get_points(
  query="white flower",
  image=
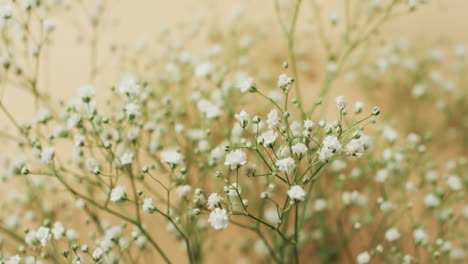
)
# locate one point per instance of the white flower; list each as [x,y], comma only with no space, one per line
[86,92]
[269,138]
[204,69]
[390,134]
[148,205]
[5,11]
[132,110]
[72,234]
[295,128]
[308,124]
[420,236]
[78,140]
[73,121]
[219,219]
[47,154]
[93,165]
[431,176]
[454,183]
[128,86]
[332,143]
[209,109]
[213,200]
[43,115]
[340,103]
[381,175]
[183,190]
[48,25]
[246,84]
[296,193]
[243,118]
[97,254]
[13,260]
[236,159]
[273,119]
[430,200]
[232,190]
[126,159]
[43,235]
[320,205]
[284,81]
[354,147]
[325,154]
[58,230]
[358,107]
[299,149]
[363,258]
[286,165]
[392,234]
[118,194]
[171,156]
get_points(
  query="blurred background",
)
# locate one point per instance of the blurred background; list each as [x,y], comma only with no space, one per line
[134,26]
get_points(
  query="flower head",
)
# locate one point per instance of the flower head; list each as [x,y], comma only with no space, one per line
[118,194]
[219,219]
[235,159]
[213,200]
[296,193]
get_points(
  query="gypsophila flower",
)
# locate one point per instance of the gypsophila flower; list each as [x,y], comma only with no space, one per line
[232,190]
[392,234]
[430,200]
[43,235]
[183,190]
[354,148]
[454,183]
[148,206]
[308,124]
[43,115]
[269,138]
[47,155]
[363,258]
[126,159]
[171,156]
[214,200]
[219,219]
[209,109]
[299,149]
[86,92]
[243,118]
[48,25]
[93,165]
[235,159]
[128,86]
[284,81]
[204,69]
[273,119]
[16,259]
[296,193]
[5,11]
[420,236]
[97,254]
[358,107]
[118,194]
[286,165]
[132,110]
[340,103]
[246,85]
[58,230]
